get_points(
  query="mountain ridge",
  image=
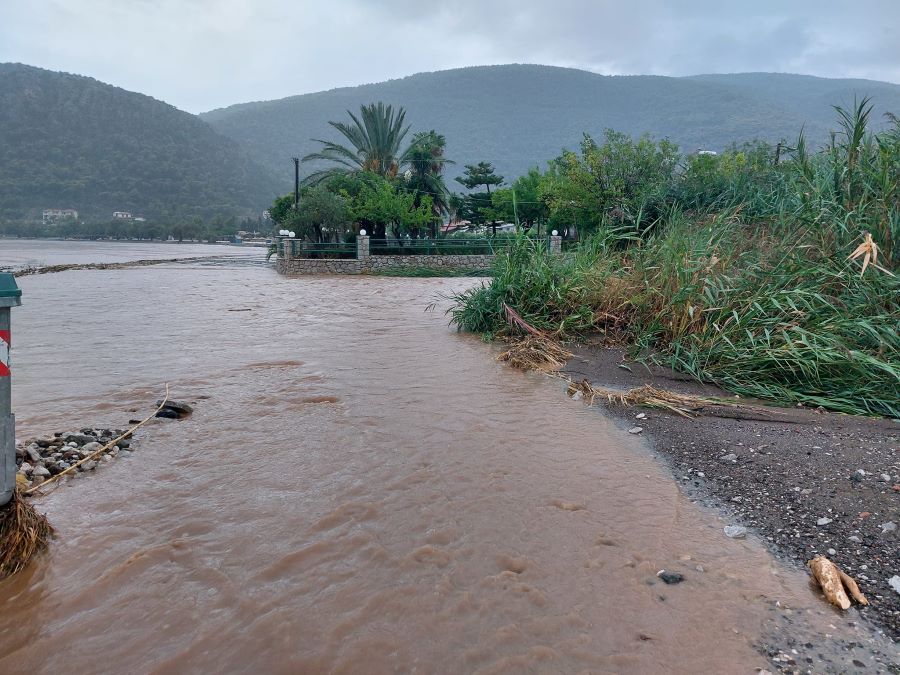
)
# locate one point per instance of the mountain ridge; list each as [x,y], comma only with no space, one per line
[522,115]
[69,140]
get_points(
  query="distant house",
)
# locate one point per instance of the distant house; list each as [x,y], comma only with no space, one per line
[711,153]
[52,215]
[122,215]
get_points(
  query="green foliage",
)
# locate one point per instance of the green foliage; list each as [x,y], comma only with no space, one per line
[622,181]
[426,161]
[322,216]
[72,142]
[744,281]
[522,203]
[374,144]
[478,206]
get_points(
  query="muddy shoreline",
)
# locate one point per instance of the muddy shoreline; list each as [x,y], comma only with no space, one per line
[779,477]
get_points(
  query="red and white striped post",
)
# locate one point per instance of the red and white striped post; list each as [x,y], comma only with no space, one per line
[10,296]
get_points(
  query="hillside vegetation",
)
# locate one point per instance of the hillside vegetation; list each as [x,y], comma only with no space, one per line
[519,116]
[68,141]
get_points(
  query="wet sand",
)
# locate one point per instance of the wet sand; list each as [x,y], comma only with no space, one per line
[786,473]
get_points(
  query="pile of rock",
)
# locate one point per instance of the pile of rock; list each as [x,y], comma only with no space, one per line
[40,458]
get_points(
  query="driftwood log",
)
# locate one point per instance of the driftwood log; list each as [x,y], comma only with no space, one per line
[835,583]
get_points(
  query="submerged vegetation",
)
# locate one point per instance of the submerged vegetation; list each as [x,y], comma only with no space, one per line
[754,269]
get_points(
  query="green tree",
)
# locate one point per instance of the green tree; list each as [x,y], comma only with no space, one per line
[374,144]
[426,161]
[521,203]
[475,176]
[323,216]
[379,203]
[622,181]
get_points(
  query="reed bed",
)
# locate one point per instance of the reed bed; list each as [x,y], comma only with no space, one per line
[772,281]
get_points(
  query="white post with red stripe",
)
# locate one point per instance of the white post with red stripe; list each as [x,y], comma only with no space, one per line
[9,297]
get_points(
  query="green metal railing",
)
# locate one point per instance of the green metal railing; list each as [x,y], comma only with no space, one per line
[308,249]
[438,246]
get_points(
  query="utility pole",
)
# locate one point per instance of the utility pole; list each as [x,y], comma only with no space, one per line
[296,183]
[10,296]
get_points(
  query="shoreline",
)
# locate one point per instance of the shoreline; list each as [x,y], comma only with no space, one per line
[759,473]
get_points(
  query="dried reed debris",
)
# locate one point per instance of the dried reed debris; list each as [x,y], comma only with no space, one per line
[23,534]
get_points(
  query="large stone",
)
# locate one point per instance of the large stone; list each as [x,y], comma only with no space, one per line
[177,406]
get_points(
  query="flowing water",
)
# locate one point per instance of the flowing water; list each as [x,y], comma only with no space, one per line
[359,490]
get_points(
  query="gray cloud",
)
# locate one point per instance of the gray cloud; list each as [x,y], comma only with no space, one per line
[201,54]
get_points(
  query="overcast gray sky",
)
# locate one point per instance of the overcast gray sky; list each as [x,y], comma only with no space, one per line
[203,54]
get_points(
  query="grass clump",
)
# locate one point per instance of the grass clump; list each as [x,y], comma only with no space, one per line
[749,278]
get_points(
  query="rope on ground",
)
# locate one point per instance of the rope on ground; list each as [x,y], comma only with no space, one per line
[101,450]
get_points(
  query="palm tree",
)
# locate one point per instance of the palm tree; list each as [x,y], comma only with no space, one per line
[425,158]
[375,137]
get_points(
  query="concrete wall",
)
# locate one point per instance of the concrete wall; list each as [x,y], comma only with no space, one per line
[365,263]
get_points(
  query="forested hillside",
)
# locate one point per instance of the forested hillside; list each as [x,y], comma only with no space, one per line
[519,116]
[68,141]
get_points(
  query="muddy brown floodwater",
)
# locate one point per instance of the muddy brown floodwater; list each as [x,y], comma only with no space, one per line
[360,490]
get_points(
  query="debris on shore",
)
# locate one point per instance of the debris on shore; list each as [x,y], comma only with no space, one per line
[835,583]
[23,534]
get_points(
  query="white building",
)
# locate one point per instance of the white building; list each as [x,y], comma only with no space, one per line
[122,215]
[52,215]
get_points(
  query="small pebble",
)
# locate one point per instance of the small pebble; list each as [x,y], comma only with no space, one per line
[635,430]
[670,577]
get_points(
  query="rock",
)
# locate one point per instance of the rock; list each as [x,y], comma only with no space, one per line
[885,478]
[89,466]
[40,471]
[635,430]
[25,468]
[894,582]
[166,413]
[641,416]
[730,457]
[889,526]
[670,577]
[577,396]
[79,439]
[831,551]
[735,531]
[45,442]
[123,444]
[33,454]
[854,539]
[824,521]
[88,448]
[177,406]
[105,458]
